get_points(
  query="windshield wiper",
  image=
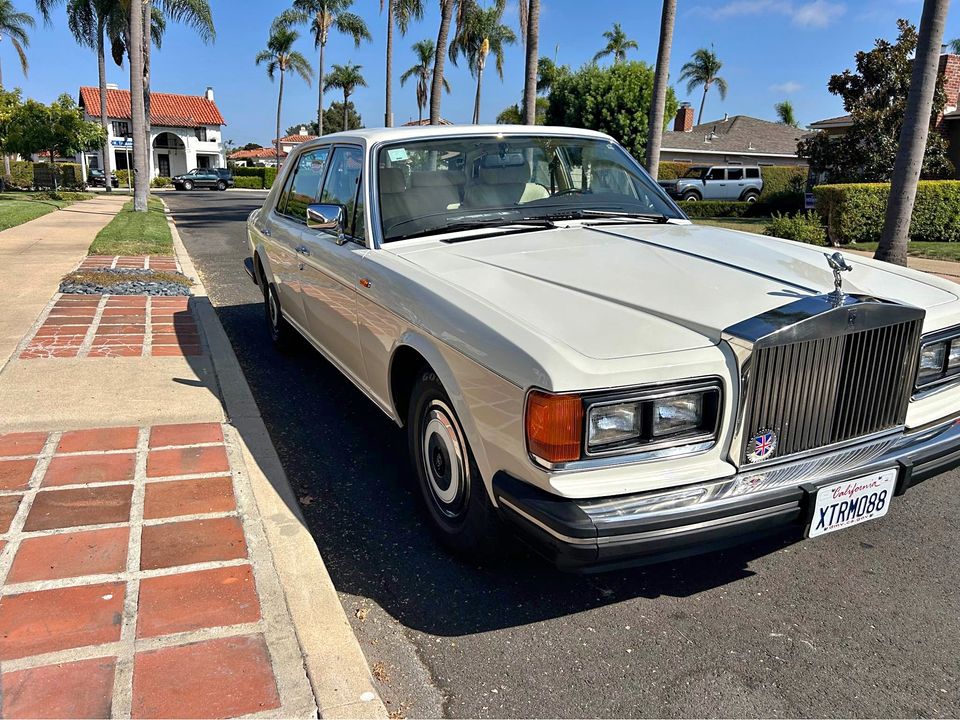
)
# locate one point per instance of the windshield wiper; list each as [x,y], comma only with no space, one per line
[500,222]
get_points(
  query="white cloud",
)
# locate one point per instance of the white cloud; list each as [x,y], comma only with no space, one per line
[807,13]
[789,87]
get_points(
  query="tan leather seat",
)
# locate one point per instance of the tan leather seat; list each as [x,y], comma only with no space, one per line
[503,187]
[433,191]
[393,186]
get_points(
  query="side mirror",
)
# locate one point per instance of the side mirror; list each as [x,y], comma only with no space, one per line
[328,218]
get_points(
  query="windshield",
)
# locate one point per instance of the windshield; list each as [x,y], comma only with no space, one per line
[430,186]
[695,172]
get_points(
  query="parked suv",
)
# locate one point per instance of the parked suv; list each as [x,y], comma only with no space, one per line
[96,178]
[717,182]
[219,178]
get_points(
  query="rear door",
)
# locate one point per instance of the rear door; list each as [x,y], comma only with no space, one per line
[715,187]
[736,183]
[286,225]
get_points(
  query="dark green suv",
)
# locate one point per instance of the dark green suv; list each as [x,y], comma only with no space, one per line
[213,178]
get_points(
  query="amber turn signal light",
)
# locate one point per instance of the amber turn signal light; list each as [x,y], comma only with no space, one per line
[554,426]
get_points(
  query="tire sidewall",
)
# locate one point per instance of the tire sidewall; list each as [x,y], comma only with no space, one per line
[691,197]
[188,185]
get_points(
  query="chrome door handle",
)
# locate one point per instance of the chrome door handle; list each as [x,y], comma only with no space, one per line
[303,250]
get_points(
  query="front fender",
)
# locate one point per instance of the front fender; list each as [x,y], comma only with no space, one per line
[441,358]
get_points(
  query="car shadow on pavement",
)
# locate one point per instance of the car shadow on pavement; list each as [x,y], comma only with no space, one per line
[347,463]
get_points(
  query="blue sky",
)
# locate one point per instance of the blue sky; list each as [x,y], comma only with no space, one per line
[771,49]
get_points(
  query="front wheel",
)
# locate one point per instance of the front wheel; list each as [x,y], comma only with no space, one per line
[221,186]
[188,185]
[449,481]
[691,197]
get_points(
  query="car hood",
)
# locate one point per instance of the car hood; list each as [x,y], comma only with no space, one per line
[625,290]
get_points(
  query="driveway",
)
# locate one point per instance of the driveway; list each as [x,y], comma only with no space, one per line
[858,623]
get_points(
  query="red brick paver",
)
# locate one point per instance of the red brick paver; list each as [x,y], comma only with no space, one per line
[127,581]
[163,263]
[115,326]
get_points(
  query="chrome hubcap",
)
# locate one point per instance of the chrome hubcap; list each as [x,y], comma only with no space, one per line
[444,458]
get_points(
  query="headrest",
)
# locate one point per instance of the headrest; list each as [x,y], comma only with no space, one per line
[392,181]
[506,175]
[436,178]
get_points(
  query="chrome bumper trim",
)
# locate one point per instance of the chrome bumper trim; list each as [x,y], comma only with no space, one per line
[745,486]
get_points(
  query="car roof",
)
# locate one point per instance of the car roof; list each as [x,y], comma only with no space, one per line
[369,136]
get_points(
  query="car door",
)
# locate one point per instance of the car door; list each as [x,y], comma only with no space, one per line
[715,184]
[331,265]
[736,183]
[285,227]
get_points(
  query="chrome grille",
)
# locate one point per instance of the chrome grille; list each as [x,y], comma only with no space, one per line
[827,390]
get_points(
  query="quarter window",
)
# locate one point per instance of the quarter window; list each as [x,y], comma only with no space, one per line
[303,187]
[342,186]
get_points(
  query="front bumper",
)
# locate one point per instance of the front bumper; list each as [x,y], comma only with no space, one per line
[605,533]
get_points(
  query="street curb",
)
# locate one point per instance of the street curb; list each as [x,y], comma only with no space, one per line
[334,663]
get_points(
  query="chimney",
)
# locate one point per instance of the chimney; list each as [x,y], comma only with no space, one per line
[725,116]
[684,119]
[209,94]
[303,130]
[112,86]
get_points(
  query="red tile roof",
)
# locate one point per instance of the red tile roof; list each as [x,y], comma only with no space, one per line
[165,108]
[255,154]
[297,139]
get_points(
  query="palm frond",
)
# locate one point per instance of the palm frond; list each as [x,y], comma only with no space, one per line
[193,13]
[24,65]
[353,25]
[405,12]
[300,66]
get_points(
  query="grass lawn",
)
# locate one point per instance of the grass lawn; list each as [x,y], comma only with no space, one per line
[17,208]
[754,225]
[133,233]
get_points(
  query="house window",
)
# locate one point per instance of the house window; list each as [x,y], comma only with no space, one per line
[201,133]
[121,128]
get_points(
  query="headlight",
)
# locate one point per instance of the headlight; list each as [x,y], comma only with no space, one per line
[564,428]
[939,360]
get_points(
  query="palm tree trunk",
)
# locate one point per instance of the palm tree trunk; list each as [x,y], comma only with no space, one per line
[476,100]
[7,177]
[137,110]
[147,45]
[703,101]
[345,97]
[533,57]
[436,88]
[913,136]
[388,102]
[660,78]
[104,120]
[319,93]
[279,106]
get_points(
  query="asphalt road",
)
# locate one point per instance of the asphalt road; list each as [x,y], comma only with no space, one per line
[861,623]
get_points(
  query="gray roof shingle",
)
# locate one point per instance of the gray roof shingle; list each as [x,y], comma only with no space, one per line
[737,134]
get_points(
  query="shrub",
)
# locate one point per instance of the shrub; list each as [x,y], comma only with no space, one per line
[672,170]
[161,182]
[266,174]
[122,177]
[23,175]
[804,227]
[249,183]
[855,212]
[718,209]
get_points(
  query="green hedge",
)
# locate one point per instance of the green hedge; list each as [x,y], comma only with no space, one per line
[266,174]
[718,209]
[855,212]
[22,174]
[248,183]
[803,227]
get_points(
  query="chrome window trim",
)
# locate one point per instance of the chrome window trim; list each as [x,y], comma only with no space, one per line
[923,391]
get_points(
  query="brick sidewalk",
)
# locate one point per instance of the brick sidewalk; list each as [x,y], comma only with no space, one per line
[131,584]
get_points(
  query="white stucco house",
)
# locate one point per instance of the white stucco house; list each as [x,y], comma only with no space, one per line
[186,131]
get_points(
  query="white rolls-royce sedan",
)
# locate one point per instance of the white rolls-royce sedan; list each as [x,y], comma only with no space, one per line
[577,363]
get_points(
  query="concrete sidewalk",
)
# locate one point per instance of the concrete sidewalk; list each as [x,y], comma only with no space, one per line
[153,561]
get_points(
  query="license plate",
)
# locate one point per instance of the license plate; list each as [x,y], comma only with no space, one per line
[852,502]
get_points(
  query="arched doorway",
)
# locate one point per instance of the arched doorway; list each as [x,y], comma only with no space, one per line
[169,155]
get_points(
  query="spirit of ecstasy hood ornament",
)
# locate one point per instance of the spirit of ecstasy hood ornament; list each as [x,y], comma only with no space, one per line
[839,265]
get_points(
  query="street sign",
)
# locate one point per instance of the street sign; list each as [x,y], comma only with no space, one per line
[122,143]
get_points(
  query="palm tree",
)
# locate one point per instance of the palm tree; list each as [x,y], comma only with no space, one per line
[321,15]
[703,70]
[660,78]
[785,113]
[347,78]
[281,57]
[424,50]
[913,135]
[137,109]
[401,12]
[446,19]
[13,27]
[530,34]
[480,34]
[955,46]
[617,45]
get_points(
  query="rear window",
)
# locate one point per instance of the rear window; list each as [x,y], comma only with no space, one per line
[735,174]
[753,173]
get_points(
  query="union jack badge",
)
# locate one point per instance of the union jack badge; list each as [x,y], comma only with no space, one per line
[763,446]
